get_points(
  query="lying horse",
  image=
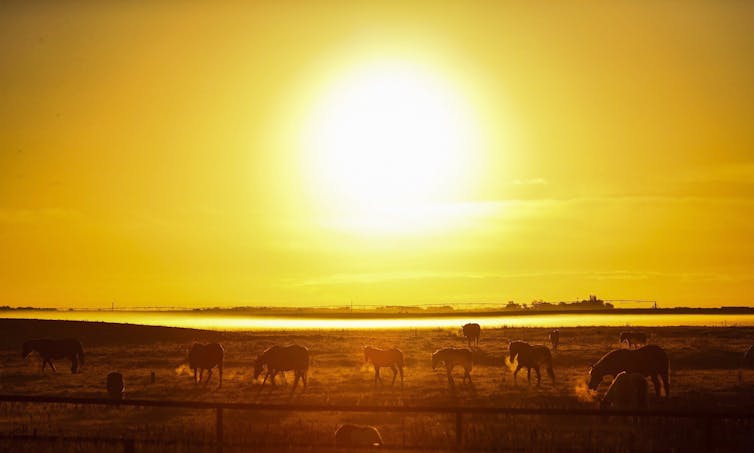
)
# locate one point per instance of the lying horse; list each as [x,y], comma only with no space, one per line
[357,436]
[391,358]
[554,337]
[279,359]
[651,361]
[69,348]
[205,357]
[530,357]
[633,338]
[472,332]
[452,357]
[627,391]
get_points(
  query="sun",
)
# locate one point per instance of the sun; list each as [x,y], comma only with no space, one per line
[387,137]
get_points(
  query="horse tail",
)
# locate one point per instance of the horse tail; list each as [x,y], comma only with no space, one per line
[80,352]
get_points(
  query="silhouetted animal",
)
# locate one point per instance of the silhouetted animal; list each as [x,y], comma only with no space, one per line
[472,332]
[205,357]
[278,359]
[357,436]
[627,391]
[633,338]
[48,349]
[116,387]
[747,362]
[391,358]
[530,357]
[650,360]
[554,337]
[452,357]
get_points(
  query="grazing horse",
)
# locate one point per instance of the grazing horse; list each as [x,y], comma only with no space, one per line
[391,358]
[205,357]
[530,357]
[472,332]
[650,360]
[116,387]
[452,357]
[357,436]
[554,337]
[69,348]
[279,359]
[633,338]
[627,391]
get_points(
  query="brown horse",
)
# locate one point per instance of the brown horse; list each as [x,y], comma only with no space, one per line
[530,357]
[48,349]
[279,359]
[357,436]
[554,337]
[116,387]
[205,357]
[633,338]
[627,391]
[391,358]
[452,357]
[472,332]
[651,361]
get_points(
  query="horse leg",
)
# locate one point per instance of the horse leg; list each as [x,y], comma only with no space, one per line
[666,383]
[209,376]
[265,378]
[376,375]
[221,375]
[295,383]
[539,377]
[528,374]
[52,365]
[656,383]
[395,374]
[515,374]
[467,375]
[201,374]
[74,364]
[450,376]
[195,381]
[400,368]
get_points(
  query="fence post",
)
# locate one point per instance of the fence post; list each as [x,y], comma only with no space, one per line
[459,430]
[219,430]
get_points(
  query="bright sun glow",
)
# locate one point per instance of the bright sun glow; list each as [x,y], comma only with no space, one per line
[388,139]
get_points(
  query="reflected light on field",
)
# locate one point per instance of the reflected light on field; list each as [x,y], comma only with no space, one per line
[239,321]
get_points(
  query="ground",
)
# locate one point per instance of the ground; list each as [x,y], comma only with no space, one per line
[704,375]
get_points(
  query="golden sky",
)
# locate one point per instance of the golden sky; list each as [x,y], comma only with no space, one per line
[318,153]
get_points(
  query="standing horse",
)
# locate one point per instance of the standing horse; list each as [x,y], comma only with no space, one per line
[48,349]
[472,332]
[530,357]
[452,357]
[205,357]
[279,359]
[554,337]
[391,358]
[633,338]
[627,391]
[651,361]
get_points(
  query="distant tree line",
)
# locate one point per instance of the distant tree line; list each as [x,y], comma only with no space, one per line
[593,303]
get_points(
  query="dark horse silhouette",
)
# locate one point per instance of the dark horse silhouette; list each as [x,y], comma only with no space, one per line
[279,359]
[651,361]
[48,349]
[472,332]
[205,357]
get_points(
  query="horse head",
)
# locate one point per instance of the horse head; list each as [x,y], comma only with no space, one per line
[26,349]
[595,377]
[258,367]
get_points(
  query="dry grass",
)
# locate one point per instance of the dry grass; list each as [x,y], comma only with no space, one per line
[703,375]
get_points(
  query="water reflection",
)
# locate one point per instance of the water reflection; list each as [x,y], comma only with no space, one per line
[236,321]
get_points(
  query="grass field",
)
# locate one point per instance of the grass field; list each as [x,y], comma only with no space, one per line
[704,375]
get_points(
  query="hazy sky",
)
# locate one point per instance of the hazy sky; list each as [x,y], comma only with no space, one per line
[201,154]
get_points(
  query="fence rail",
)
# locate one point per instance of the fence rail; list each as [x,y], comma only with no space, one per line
[458,411]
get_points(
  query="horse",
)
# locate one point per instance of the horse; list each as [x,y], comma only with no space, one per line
[205,357]
[452,357]
[392,358]
[472,332]
[279,359]
[116,387]
[633,338]
[357,436]
[650,360]
[530,357]
[48,349]
[554,337]
[627,391]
